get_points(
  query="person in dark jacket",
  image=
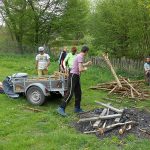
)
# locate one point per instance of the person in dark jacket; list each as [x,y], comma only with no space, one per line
[62,56]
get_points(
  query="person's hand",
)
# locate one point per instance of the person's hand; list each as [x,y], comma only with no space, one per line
[89,62]
[65,69]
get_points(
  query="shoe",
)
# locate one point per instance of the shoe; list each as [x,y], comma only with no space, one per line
[61,111]
[78,110]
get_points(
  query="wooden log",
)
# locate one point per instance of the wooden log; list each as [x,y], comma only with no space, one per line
[100,117]
[96,124]
[106,120]
[111,107]
[132,87]
[117,119]
[113,89]
[132,95]
[144,131]
[120,124]
[111,126]
[122,129]
[112,69]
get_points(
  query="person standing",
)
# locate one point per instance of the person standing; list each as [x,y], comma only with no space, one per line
[74,82]
[68,61]
[42,62]
[147,69]
[62,56]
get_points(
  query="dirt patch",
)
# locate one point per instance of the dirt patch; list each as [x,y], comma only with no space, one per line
[141,129]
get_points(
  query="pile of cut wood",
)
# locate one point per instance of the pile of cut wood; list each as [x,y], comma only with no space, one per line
[122,86]
[107,121]
[130,89]
[56,75]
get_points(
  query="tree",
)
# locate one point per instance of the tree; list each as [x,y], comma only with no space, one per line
[14,18]
[122,27]
[74,19]
[31,21]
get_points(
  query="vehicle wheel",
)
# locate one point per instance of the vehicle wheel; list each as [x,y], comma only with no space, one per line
[35,95]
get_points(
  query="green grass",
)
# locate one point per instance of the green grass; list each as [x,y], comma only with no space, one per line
[22,129]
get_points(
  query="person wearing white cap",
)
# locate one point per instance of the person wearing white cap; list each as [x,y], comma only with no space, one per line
[42,62]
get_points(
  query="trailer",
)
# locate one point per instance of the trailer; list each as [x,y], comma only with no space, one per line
[36,89]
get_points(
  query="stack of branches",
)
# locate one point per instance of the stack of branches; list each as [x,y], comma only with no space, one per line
[122,86]
[107,120]
[56,76]
[130,89]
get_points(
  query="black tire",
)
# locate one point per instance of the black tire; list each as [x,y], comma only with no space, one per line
[35,96]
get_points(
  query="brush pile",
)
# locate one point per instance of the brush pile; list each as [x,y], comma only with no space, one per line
[122,86]
[130,89]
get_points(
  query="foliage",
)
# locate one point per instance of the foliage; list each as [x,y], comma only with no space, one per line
[31,22]
[74,19]
[122,27]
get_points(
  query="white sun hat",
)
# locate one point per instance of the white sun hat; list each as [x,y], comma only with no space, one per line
[41,49]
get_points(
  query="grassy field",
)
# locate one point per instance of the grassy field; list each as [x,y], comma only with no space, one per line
[22,129]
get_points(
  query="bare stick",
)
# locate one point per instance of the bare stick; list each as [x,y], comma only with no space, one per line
[33,109]
[96,124]
[111,126]
[120,124]
[113,89]
[100,117]
[132,87]
[106,120]
[112,108]
[132,95]
[112,69]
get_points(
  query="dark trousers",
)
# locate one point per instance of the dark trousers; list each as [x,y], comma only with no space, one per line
[73,87]
[148,77]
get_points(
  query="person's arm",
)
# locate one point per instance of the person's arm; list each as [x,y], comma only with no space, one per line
[60,57]
[48,60]
[65,60]
[87,64]
[82,68]
[36,64]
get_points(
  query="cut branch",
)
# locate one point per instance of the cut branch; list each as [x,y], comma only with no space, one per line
[108,106]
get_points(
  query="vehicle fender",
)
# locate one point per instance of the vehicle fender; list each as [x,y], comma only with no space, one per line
[41,86]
